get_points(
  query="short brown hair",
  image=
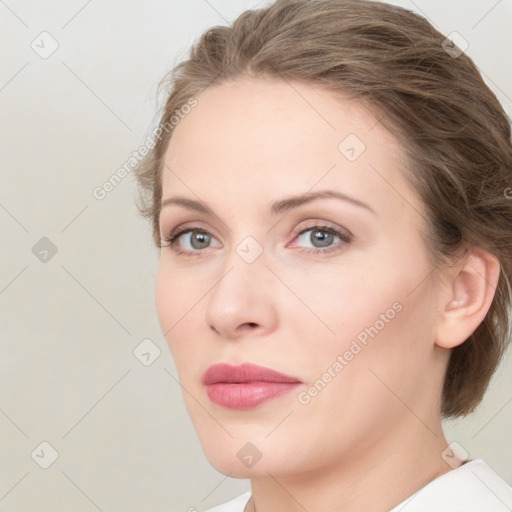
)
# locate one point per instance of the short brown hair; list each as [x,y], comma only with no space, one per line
[451,126]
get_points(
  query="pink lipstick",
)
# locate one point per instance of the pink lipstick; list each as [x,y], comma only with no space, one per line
[245,386]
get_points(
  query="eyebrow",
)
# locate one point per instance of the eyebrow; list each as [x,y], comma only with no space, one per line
[282,206]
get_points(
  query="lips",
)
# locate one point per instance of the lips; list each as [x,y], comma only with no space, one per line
[246,386]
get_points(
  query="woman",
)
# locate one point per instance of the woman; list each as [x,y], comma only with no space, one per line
[329,195]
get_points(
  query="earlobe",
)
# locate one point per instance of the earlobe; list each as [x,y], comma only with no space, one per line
[470,294]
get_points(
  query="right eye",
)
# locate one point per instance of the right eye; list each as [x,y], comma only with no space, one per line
[196,239]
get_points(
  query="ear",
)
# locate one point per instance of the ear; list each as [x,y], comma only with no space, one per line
[470,292]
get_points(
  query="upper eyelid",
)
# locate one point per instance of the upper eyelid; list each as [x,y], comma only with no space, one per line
[313,223]
[188,226]
[301,205]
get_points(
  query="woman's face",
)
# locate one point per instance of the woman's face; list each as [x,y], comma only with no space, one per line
[333,292]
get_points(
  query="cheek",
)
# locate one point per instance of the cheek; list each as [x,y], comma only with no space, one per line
[165,299]
[176,295]
[381,305]
[383,342]
[344,298]
[372,362]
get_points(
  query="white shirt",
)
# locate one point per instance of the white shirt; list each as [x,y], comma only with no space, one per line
[472,487]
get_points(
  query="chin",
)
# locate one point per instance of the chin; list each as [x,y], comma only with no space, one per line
[239,457]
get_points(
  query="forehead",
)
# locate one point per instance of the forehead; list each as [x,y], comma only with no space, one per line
[268,137]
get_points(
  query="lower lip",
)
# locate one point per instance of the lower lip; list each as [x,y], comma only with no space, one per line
[247,395]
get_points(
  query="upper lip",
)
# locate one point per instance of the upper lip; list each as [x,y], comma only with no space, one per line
[246,372]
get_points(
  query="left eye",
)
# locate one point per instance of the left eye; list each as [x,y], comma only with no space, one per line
[320,236]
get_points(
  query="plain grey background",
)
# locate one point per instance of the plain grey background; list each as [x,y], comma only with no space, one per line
[78,84]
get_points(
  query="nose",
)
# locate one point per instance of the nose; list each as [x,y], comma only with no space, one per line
[242,301]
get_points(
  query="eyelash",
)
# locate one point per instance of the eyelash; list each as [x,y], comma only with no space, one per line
[330,229]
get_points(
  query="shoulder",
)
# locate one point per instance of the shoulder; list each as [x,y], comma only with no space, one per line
[235,505]
[472,487]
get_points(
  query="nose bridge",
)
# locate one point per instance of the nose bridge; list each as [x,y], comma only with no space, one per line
[243,269]
[244,256]
[240,295]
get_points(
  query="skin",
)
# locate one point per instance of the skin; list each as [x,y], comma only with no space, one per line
[376,425]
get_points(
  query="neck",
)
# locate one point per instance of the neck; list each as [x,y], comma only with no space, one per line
[382,477]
